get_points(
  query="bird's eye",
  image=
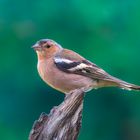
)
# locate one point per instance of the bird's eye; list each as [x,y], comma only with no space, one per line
[47,46]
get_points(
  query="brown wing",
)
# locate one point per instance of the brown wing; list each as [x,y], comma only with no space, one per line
[72,62]
[93,71]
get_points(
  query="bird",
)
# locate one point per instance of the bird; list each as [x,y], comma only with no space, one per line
[66,71]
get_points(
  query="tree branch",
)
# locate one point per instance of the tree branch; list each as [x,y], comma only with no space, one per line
[63,122]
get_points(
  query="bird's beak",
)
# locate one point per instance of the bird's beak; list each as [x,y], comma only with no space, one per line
[36,47]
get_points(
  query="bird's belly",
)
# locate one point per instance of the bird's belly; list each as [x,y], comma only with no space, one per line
[64,82]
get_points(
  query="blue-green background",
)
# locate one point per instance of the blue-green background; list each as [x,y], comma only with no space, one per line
[107,32]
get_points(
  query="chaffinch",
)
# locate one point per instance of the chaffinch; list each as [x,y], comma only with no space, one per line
[65,70]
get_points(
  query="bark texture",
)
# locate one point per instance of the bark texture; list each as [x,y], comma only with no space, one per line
[63,122]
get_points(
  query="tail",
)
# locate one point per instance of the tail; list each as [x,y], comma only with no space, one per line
[124,85]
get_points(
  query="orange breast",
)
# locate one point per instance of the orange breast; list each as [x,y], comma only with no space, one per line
[64,82]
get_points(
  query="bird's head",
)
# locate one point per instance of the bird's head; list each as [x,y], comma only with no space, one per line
[46,48]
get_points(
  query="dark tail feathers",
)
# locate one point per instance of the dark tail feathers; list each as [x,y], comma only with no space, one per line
[124,85]
[128,86]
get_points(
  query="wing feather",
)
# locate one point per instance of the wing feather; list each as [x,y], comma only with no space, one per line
[81,67]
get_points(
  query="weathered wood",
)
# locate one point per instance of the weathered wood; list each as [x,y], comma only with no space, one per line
[63,122]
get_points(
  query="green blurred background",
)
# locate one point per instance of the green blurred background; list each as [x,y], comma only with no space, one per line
[106,32]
